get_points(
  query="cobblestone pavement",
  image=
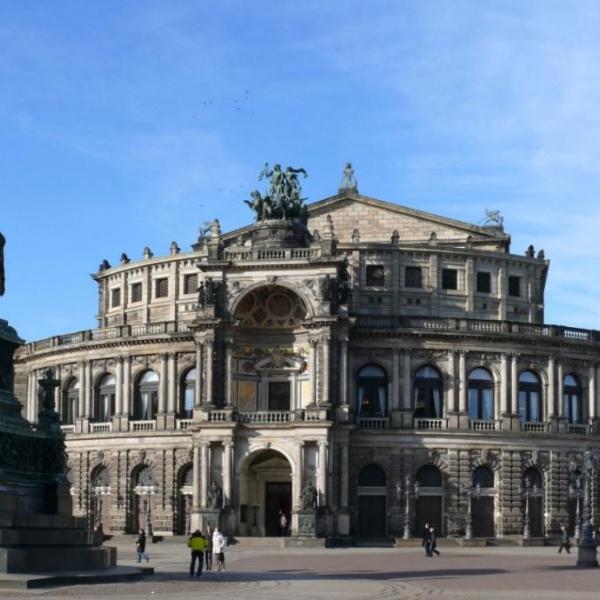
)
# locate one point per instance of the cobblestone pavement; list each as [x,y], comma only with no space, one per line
[355,573]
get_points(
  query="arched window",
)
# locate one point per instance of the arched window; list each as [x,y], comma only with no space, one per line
[532,478]
[572,401]
[100,478]
[146,396]
[186,476]
[429,476]
[484,477]
[104,407]
[481,395]
[372,392]
[530,397]
[70,401]
[428,392]
[371,476]
[144,477]
[188,395]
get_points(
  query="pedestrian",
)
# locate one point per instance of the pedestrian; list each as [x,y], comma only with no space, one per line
[425,539]
[565,540]
[197,544]
[283,524]
[433,542]
[140,546]
[219,543]
[209,548]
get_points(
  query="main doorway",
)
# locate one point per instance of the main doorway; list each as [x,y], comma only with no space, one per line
[278,501]
[372,502]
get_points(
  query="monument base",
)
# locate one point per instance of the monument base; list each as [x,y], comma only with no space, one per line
[307,523]
[205,517]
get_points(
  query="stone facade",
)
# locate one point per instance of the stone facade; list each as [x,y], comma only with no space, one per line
[397,360]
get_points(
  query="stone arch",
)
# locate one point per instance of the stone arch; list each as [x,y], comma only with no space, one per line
[184,498]
[372,486]
[430,499]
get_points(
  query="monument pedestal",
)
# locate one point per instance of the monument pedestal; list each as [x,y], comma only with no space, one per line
[307,523]
[205,517]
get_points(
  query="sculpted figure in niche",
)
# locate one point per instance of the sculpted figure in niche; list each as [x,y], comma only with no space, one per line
[215,496]
[309,497]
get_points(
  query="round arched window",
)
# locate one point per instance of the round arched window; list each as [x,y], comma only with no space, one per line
[530,397]
[483,477]
[429,476]
[146,396]
[572,400]
[188,395]
[371,476]
[105,399]
[481,395]
[70,402]
[372,385]
[428,391]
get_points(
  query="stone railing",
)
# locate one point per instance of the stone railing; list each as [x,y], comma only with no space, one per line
[431,423]
[433,324]
[100,427]
[142,425]
[483,425]
[373,422]
[534,426]
[578,428]
[266,416]
[184,424]
[67,429]
[249,254]
[219,416]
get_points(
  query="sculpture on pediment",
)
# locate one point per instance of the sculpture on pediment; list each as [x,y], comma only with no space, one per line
[492,218]
[349,183]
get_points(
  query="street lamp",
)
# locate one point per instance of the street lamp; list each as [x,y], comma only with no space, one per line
[576,492]
[406,533]
[528,491]
[471,492]
[586,551]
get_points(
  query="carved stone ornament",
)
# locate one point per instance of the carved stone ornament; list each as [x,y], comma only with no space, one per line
[186,357]
[146,359]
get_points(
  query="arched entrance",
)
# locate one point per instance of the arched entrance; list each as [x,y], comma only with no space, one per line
[482,508]
[265,493]
[372,493]
[185,498]
[533,489]
[100,499]
[143,491]
[429,505]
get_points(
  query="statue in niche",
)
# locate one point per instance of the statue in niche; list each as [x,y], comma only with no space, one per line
[309,496]
[201,295]
[215,496]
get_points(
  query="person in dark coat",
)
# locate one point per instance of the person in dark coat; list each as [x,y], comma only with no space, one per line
[425,539]
[432,543]
[140,545]
[565,540]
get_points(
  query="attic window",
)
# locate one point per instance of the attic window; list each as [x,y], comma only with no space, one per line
[375,276]
[449,279]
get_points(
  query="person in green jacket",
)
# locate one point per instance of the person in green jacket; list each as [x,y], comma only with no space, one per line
[197,544]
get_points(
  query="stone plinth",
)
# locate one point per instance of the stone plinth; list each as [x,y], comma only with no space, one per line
[307,523]
[279,233]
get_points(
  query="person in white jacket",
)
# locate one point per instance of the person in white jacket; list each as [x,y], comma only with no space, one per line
[219,544]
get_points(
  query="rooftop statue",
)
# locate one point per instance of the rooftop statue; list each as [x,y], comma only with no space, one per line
[283,200]
[349,183]
[493,218]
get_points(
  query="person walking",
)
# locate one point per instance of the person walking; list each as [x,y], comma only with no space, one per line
[565,540]
[140,546]
[433,543]
[425,539]
[219,543]
[208,553]
[197,544]
[283,524]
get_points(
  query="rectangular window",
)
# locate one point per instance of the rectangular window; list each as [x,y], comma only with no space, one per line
[484,282]
[115,297]
[449,279]
[514,286]
[190,284]
[161,289]
[413,277]
[279,395]
[375,276]
[136,292]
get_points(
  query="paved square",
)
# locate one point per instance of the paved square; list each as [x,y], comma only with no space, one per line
[274,573]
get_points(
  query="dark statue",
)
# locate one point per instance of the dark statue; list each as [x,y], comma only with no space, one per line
[283,200]
[349,183]
[215,496]
[309,496]
[201,295]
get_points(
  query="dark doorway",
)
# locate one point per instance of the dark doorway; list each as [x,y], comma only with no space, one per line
[371,516]
[279,395]
[536,517]
[483,516]
[278,497]
[428,510]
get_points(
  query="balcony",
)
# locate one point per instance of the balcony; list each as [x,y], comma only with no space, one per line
[100,427]
[142,425]
[534,427]
[373,422]
[184,424]
[67,429]
[266,416]
[431,424]
[579,428]
[483,425]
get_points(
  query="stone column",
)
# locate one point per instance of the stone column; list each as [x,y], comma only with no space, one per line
[198,382]
[592,394]
[297,475]
[514,392]
[171,383]
[395,395]
[118,393]
[325,370]
[127,408]
[551,399]
[463,386]
[81,399]
[343,520]
[227,465]
[209,371]
[228,373]
[343,373]
[314,365]
[322,474]
[162,392]
[205,470]
[407,407]
[196,478]
[87,390]
[561,405]
[503,388]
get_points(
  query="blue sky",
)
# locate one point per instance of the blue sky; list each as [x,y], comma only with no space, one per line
[126,124]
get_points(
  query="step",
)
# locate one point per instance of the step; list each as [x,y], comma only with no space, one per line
[23,521]
[35,536]
[257,542]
